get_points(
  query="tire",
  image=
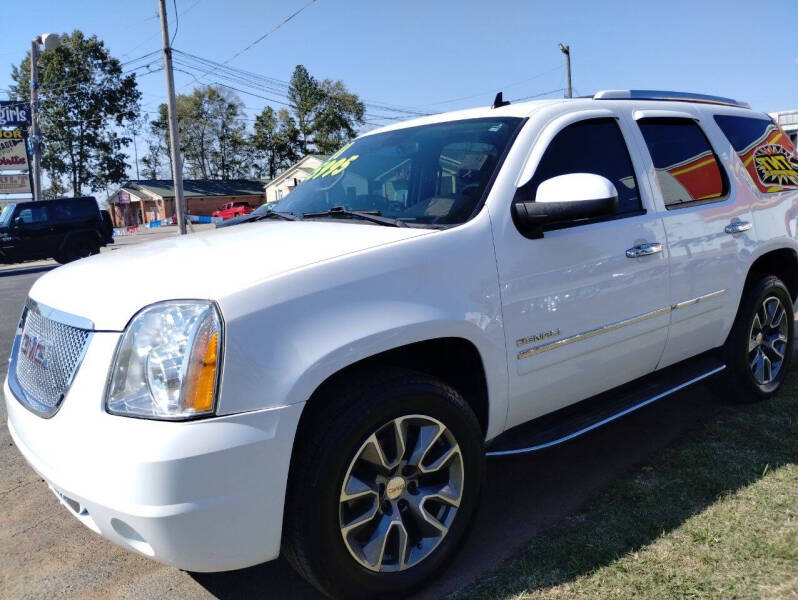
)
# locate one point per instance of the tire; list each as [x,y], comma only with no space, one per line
[76,249]
[754,370]
[338,444]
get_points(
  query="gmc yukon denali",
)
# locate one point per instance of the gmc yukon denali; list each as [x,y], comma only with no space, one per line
[465,285]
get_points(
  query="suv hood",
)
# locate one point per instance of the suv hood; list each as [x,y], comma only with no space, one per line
[111,287]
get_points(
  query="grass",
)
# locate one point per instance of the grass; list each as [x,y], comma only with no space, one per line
[712,516]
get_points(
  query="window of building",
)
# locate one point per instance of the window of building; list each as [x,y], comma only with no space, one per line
[593,146]
[687,168]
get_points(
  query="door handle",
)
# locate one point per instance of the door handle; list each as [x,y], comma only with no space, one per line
[737,227]
[644,250]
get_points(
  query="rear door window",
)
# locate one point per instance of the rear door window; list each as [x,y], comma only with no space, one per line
[686,165]
[767,153]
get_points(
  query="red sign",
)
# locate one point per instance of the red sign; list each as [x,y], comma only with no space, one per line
[13,155]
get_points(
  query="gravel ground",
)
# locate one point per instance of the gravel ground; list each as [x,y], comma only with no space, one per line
[46,553]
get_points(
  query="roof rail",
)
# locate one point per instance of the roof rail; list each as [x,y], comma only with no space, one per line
[666,95]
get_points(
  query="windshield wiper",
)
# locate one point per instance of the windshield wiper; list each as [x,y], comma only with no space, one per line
[277,215]
[369,215]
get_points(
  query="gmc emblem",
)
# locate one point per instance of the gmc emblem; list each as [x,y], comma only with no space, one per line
[34,349]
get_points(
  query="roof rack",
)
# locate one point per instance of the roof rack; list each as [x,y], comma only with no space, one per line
[666,95]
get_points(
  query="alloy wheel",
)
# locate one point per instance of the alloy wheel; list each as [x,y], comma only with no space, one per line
[401,493]
[767,341]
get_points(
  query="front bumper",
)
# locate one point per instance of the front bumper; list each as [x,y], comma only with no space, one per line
[202,495]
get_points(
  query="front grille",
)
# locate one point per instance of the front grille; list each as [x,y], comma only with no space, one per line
[46,354]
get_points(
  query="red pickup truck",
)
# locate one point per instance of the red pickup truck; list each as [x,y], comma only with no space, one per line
[233,209]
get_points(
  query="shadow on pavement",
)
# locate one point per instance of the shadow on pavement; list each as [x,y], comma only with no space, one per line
[523,496]
[26,270]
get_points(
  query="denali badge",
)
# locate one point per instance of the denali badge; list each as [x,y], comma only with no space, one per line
[34,349]
[538,337]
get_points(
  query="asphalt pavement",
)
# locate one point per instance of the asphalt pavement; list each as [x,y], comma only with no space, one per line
[46,553]
[122,241]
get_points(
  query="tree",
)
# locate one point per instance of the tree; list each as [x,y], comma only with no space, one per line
[85,103]
[337,116]
[158,145]
[151,162]
[56,189]
[213,138]
[304,96]
[133,129]
[327,114]
[275,141]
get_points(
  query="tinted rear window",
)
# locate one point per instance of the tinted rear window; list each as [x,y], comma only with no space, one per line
[75,210]
[686,166]
[767,153]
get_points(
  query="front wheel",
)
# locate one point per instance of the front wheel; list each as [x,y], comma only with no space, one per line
[759,348]
[384,483]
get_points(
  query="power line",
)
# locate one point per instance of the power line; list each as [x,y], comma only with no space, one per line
[268,33]
[501,87]
[177,23]
[271,85]
[538,95]
[263,37]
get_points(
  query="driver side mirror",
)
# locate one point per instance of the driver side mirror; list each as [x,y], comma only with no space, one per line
[19,223]
[568,197]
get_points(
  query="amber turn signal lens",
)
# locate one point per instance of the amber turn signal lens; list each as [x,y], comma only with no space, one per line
[201,376]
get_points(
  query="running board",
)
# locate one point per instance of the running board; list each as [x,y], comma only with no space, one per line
[571,422]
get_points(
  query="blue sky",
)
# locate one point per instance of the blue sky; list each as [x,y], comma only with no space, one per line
[424,54]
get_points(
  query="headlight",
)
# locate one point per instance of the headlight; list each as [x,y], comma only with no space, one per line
[167,363]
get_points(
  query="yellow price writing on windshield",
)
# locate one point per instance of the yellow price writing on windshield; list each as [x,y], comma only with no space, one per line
[333,167]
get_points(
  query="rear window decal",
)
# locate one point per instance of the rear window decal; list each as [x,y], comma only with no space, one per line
[775,166]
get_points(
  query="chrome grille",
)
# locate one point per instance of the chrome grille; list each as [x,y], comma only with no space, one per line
[46,354]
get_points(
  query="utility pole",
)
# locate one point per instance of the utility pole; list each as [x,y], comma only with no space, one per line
[51,41]
[34,118]
[174,139]
[567,51]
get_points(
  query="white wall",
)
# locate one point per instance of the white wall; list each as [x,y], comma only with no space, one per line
[289,179]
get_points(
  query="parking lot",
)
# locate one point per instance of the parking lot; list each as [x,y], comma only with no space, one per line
[45,552]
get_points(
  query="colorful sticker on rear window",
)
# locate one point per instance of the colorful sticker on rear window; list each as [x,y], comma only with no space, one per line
[766,152]
[776,166]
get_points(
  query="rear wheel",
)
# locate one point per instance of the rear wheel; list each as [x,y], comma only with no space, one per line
[76,249]
[383,487]
[759,348]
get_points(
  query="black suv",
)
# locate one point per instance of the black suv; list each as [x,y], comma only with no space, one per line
[65,229]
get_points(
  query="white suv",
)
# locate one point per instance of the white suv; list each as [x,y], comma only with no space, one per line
[484,282]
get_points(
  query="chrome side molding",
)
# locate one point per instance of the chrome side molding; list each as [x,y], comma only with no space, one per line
[693,301]
[592,333]
[611,326]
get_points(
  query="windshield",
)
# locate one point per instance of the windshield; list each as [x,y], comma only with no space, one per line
[427,175]
[5,215]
